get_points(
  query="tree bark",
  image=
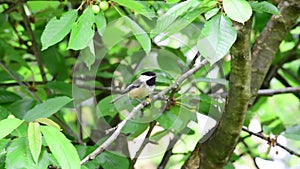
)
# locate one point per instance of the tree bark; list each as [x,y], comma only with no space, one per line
[266,46]
[216,152]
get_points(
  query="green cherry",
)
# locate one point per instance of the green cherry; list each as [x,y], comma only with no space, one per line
[96,9]
[104,5]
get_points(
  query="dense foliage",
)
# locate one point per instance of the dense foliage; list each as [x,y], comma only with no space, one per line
[219,65]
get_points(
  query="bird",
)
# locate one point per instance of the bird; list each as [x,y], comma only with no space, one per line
[140,88]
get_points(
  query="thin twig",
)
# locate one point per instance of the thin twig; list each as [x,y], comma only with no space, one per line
[114,136]
[35,47]
[106,89]
[12,7]
[5,68]
[166,106]
[290,56]
[273,141]
[20,39]
[247,151]
[170,101]
[285,83]
[169,153]
[183,153]
[66,128]
[194,60]
[141,105]
[288,72]
[271,92]
[79,121]
[62,124]
[145,142]
[100,88]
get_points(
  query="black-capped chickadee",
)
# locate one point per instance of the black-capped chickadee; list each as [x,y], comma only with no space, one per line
[140,88]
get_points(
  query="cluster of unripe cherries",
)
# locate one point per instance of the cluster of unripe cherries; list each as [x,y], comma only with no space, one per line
[103,5]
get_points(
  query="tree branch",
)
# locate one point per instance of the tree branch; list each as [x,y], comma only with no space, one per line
[216,151]
[4,67]
[35,47]
[249,152]
[290,56]
[271,141]
[137,108]
[169,153]
[145,142]
[271,92]
[285,83]
[268,43]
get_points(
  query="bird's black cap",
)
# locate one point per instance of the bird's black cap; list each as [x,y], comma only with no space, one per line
[148,73]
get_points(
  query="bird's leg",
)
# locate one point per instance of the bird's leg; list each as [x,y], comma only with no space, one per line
[142,113]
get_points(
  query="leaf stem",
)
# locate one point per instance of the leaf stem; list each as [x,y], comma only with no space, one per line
[35,47]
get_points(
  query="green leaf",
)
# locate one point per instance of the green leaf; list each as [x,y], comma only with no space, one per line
[209,106]
[134,128]
[216,38]
[176,119]
[10,52]
[208,99]
[4,76]
[293,133]
[16,56]
[20,107]
[183,22]
[164,77]
[62,149]
[8,97]
[47,108]
[21,131]
[35,140]
[229,166]
[167,120]
[3,113]
[209,14]
[57,29]
[237,10]
[274,126]
[166,58]
[82,32]
[87,55]
[48,122]
[133,5]
[139,34]
[53,161]
[159,135]
[112,160]
[105,108]
[61,88]
[169,17]
[100,22]
[19,156]
[172,1]
[55,63]
[8,125]
[211,80]
[3,145]
[264,7]
[42,5]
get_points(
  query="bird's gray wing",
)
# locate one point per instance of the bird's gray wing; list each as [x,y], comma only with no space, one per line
[137,83]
